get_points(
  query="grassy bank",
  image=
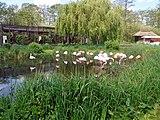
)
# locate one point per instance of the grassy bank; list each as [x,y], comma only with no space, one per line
[128,96]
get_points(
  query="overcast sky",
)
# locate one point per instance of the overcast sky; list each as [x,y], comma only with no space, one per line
[139,4]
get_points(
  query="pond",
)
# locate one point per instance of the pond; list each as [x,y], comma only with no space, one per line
[12,71]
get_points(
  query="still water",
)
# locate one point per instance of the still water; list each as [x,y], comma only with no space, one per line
[12,71]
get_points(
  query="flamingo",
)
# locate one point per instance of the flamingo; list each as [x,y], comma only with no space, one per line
[79,54]
[138,57]
[83,59]
[88,53]
[110,53]
[57,55]
[57,59]
[31,57]
[130,57]
[65,62]
[91,53]
[74,53]
[57,52]
[75,62]
[32,68]
[57,66]
[88,62]
[65,53]
[120,57]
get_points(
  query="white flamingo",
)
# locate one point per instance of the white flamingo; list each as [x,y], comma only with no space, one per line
[32,68]
[91,53]
[80,53]
[57,52]
[65,62]
[57,66]
[138,57]
[83,59]
[110,53]
[65,53]
[130,57]
[57,59]
[75,62]
[57,55]
[91,61]
[74,53]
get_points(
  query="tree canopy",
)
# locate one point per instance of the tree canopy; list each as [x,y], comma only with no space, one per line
[93,19]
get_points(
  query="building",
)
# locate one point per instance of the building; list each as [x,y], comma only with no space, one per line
[151,39]
[138,36]
[13,30]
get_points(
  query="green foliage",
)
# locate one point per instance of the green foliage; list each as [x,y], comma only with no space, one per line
[35,47]
[96,20]
[47,38]
[28,15]
[7,45]
[21,39]
[47,46]
[3,52]
[112,45]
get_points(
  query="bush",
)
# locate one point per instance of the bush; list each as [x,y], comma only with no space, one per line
[47,46]
[35,47]
[7,45]
[112,45]
[47,38]
[21,39]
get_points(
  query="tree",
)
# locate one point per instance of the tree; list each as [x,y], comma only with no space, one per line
[126,5]
[11,14]
[158,11]
[53,13]
[29,14]
[94,19]
[3,12]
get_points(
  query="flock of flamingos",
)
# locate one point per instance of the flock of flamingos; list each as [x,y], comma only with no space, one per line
[101,59]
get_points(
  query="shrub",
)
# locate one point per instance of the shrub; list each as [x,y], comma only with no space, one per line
[47,38]
[47,46]
[7,45]
[35,47]
[21,39]
[112,45]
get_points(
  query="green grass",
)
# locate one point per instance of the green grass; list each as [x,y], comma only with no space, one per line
[131,95]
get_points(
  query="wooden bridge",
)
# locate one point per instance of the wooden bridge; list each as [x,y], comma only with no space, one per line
[12,30]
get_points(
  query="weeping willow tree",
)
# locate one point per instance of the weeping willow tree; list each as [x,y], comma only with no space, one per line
[97,20]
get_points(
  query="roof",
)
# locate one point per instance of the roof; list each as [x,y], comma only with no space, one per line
[151,37]
[141,33]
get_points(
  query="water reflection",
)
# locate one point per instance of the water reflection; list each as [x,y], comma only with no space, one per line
[7,84]
[16,71]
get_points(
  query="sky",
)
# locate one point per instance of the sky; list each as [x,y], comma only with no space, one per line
[139,4]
